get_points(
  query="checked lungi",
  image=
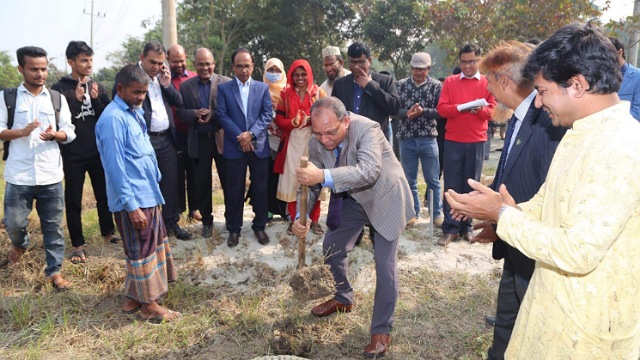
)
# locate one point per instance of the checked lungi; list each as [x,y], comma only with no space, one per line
[149,260]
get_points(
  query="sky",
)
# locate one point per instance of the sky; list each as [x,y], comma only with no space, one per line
[51,24]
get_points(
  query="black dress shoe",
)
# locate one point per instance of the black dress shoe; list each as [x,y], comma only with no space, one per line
[233,239]
[262,236]
[207,230]
[179,232]
[490,320]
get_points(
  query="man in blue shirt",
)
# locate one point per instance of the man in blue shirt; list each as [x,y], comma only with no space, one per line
[630,87]
[134,195]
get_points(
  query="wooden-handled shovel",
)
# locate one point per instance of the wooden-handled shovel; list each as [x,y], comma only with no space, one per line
[304,192]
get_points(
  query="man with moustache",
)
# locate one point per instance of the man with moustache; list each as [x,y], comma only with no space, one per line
[332,64]
[33,171]
[244,111]
[198,111]
[466,133]
[365,92]
[87,99]
[179,73]
[135,197]
[159,120]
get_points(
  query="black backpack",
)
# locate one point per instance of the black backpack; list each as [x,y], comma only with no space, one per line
[10,98]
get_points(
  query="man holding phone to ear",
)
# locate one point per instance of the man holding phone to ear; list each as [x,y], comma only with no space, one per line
[161,129]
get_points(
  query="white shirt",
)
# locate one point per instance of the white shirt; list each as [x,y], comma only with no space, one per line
[159,117]
[244,94]
[33,161]
[476,76]
[520,112]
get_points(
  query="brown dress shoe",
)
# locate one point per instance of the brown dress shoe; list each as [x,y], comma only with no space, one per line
[378,346]
[329,307]
[233,239]
[446,239]
[263,238]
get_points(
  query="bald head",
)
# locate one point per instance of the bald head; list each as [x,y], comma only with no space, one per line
[204,62]
[177,59]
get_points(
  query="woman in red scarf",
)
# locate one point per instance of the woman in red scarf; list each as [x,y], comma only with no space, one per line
[292,117]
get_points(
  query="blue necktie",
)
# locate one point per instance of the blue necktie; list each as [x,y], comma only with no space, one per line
[335,204]
[511,125]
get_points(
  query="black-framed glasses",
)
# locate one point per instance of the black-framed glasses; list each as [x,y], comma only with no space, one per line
[467,62]
[243,66]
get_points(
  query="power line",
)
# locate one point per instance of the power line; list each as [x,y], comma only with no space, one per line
[92,17]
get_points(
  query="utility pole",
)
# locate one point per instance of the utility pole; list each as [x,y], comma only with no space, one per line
[632,53]
[92,17]
[169,26]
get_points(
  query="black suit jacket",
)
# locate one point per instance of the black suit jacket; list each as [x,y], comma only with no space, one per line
[525,172]
[170,97]
[191,103]
[379,101]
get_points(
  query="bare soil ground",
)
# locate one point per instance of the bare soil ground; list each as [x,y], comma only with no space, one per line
[238,304]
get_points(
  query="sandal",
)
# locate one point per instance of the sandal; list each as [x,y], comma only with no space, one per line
[59,283]
[113,239]
[290,229]
[78,256]
[316,228]
[159,319]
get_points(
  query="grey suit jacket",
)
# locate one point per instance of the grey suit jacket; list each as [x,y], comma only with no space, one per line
[381,190]
[191,103]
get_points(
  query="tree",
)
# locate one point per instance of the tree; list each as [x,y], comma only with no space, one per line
[9,74]
[487,22]
[395,30]
[132,47]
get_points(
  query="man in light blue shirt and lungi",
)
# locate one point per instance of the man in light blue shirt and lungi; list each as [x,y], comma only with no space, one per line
[134,196]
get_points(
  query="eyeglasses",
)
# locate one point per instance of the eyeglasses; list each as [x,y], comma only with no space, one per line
[421,69]
[243,67]
[327,133]
[329,66]
[274,70]
[467,62]
[359,63]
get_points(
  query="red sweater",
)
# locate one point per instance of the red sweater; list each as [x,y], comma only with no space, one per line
[465,127]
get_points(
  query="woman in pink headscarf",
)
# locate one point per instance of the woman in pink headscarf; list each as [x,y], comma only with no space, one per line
[292,118]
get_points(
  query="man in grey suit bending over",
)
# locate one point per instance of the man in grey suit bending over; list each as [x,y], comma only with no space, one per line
[346,154]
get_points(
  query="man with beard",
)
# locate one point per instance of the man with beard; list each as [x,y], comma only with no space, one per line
[332,64]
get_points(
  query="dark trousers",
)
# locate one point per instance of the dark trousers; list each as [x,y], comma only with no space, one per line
[510,294]
[185,175]
[277,207]
[234,193]
[74,175]
[441,124]
[336,246]
[167,157]
[462,161]
[207,153]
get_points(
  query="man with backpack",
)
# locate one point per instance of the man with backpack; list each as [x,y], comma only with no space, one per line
[87,99]
[35,119]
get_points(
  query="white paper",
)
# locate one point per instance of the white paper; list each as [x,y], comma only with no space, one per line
[472,104]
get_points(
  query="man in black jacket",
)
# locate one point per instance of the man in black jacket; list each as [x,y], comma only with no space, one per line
[161,129]
[87,99]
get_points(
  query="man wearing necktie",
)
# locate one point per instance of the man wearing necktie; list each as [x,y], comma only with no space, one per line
[370,194]
[529,145]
